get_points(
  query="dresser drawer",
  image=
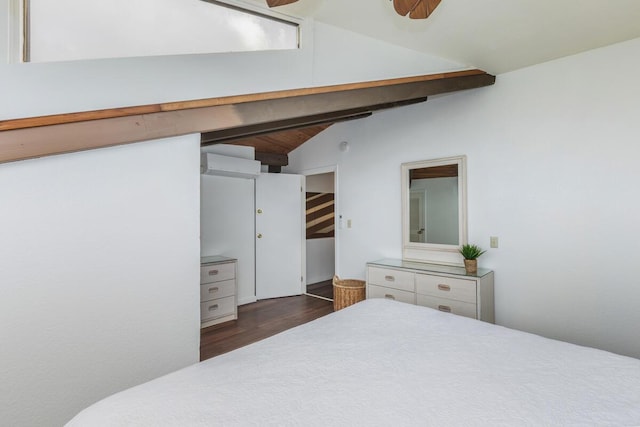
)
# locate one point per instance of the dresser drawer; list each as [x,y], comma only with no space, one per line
[210,291]
[217,272]
[446,287]
[388,278]
[217,308]
[374,291]
[448,305]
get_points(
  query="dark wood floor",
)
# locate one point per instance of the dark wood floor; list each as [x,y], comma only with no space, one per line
[323,289]
[261,320]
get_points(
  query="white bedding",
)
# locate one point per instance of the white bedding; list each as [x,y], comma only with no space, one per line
[384,363]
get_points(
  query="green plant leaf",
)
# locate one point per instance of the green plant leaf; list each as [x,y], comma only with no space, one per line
[469,251]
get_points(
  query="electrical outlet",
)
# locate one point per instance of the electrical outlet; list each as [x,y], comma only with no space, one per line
[493,240]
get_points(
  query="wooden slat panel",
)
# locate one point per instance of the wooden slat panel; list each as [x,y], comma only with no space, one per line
[321,235]
[320,200]
[320,212]
[320,218]
[321,226]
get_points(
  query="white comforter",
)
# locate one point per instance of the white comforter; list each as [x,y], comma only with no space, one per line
[384,363]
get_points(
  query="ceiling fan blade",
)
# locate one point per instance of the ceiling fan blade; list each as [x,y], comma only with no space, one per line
[274,3]
[404,6]
[424,9]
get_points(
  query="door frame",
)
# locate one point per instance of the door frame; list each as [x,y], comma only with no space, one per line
[421,194]
[336,210]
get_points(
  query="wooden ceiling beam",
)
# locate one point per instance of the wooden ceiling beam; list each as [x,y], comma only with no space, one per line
[57,119]
[272,159]
[64,133]
[231,134]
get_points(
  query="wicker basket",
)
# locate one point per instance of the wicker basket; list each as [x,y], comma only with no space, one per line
[347,292]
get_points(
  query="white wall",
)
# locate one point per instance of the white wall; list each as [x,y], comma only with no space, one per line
[227,221]
[325,58]
[342,56]
[320,259]
[552,170]
[99,275]
[320,183]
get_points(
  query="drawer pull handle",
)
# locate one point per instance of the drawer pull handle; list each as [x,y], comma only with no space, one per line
[389,296]
[444,287]
[389,278]
[213,272]
[444,308]
[212,290]
[213,307]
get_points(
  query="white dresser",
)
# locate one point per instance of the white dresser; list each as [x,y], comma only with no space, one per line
[445,288]
[218,290]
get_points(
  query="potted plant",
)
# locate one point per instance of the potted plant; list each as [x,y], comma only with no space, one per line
[471,254]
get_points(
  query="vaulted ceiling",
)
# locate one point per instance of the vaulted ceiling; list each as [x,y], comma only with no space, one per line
[497,36]
[493,35]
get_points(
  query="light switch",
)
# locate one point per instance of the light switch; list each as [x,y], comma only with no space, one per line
[348,223]
[493,241]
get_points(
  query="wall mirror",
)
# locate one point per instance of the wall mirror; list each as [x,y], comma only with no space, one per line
[434,210]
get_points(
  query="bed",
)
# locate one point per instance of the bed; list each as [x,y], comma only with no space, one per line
[384,363]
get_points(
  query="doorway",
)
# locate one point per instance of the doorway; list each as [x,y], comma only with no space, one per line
[320,216]
[257,220]
[417,215]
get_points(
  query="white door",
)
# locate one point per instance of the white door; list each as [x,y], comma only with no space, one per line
[279,235]
[417,216]
[227,220]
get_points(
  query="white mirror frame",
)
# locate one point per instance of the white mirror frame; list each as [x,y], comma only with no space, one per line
[431,252]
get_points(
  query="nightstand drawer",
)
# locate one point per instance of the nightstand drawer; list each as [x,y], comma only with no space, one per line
[396,279]
[374,291]
[217,308]
[450,306]
[215,290]
[446,287]
[217,272]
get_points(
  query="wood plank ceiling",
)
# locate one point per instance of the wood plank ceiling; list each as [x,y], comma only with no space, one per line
[282,142]
[273,149]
